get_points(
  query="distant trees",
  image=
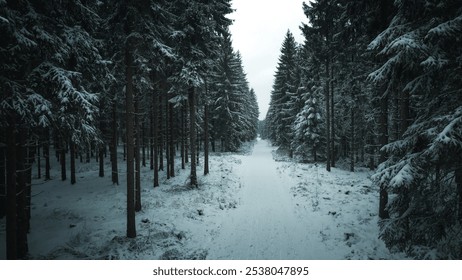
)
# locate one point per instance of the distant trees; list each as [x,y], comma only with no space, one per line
[282,111]
[380,85]
[79,76]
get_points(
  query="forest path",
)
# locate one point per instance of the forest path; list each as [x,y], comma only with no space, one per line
[265,224]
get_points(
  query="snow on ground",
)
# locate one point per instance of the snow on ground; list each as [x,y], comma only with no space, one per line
[249,207]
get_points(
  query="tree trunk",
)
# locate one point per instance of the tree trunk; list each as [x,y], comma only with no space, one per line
[383,139]
[186,144]
[352,140]
[72,152]
[458,175]
[102,147]
[11,191]
[62,160]
[2,180]
[46,155]
[114,164]
[155,140]
[171,144]
[332,116]
[206,140]
[21,196]
[137,159]
[192,135]
[143,144]
[167,132]
[161,134]
[151,135]
[131,226]
[39,161]
[328,123]
[183,132]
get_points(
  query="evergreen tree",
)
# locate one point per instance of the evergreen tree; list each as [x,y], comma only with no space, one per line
[423,167]
[281,112]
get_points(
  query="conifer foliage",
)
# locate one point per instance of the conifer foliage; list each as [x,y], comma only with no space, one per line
[378,84]
[79,76]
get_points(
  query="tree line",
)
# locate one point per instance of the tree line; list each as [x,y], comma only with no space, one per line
[82,78]
[379,84]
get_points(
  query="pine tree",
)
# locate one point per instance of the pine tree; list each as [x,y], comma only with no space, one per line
[285,87]
[421,46]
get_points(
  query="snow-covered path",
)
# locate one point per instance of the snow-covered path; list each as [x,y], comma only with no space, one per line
[265,225]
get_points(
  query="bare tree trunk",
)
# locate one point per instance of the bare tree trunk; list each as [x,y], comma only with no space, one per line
[131,226]
[192,135]
[161,134]
[11,191]
[2,179]
[72,152]
[39,161]
[328,122]
[352,133]
[102,147]
[183,132]
[186,144]
[21,196]
[137,159]
[458,175]
[143,144]
[206,140]
[155,140]
[46,155]
[167,132]
[114,164]
[171,144]
[332,116]
[62,160]
[383,138]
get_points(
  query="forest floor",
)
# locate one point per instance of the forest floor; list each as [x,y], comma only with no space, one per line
[249,207]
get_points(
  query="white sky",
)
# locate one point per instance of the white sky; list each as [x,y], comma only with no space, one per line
[258,32]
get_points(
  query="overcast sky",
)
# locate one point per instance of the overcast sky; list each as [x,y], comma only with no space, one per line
[258,32]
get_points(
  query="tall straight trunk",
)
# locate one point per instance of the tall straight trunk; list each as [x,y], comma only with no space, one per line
[28,176]
[72,154]
[143,144]
[21,196]
[46,155]
[114,167]
[2,180]
[11,191]
[137,158]
[161,134]
[39,161]
[206,139]
[151,136]
[332,116]
[383,140]
[458,179]
[131,226]
[155,140]
[102,147]
[328,123]
[183,132]
[167,132]
[352,140]
[62,160]
[171,144]
[186,144]
[192,135]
